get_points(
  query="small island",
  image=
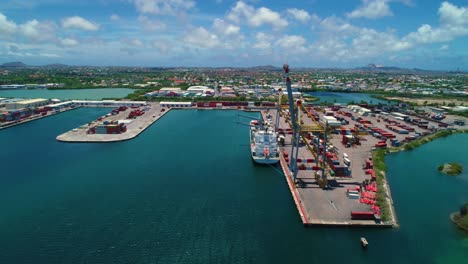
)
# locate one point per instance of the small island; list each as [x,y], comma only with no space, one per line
[451,168]
[461,218]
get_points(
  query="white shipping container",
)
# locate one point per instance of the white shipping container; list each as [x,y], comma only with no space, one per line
[330,118]
[330,123]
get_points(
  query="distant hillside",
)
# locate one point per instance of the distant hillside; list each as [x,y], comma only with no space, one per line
[16,64]
[398,70]
[371,68]
[374,67]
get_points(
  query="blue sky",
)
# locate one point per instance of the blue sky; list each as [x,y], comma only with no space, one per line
[305,33]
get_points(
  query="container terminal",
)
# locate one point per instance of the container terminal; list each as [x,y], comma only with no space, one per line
[326,157]
[325,152]
[126,122]
[19,111]
[16,112]
[121,123]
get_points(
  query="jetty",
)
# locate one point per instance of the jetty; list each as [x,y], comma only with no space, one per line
[134,126]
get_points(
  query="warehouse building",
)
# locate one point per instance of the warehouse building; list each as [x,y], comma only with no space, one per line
[200,90]
[32,103]
[108,103]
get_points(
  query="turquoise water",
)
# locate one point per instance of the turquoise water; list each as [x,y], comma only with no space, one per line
[79,94]
[424,198]
[345,98]
[186,191]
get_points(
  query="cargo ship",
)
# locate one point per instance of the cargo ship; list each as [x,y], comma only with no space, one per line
[263,143]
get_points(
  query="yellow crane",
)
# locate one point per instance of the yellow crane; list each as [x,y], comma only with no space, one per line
[300,128]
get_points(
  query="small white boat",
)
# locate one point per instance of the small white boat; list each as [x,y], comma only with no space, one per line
[364,242]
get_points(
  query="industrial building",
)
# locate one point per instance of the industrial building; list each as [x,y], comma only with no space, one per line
[32,103]
[108,103]
[170,89]
[227,92]
[62,105]
[200,90]
[176,104]
[12,86]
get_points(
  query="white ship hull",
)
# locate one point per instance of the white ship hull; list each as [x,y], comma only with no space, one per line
[263,144]
[262,160]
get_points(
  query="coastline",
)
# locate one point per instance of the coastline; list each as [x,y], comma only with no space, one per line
[36,117]
[456,222]
[378,156]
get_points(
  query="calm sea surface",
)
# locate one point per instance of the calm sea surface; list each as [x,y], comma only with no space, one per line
[186,191]
[90,94]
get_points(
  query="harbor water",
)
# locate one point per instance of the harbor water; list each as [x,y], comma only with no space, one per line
[346,98]
[78,94]
[187,191]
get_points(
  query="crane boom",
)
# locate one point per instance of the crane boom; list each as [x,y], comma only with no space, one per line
[294,123]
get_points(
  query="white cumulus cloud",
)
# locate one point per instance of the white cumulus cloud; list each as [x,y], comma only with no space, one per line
[202,38]
[428,34]
[334,25]
[114,17]
[68,42]
[78,22]
[38,31]
[263,41]
[224,28]
[299,14]
[454,23]
[340,40]
[151,24]
[291,42]
[370,42]
[453,15]
[163,7]
[6,27]
[372,9]
[256,17]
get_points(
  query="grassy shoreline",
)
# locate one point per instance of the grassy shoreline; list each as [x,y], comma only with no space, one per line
[380,168]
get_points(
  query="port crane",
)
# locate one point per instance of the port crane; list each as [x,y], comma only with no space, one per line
[298,128]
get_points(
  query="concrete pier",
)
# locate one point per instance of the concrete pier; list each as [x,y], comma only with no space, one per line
[35,117]
[134,126]
[331,206]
